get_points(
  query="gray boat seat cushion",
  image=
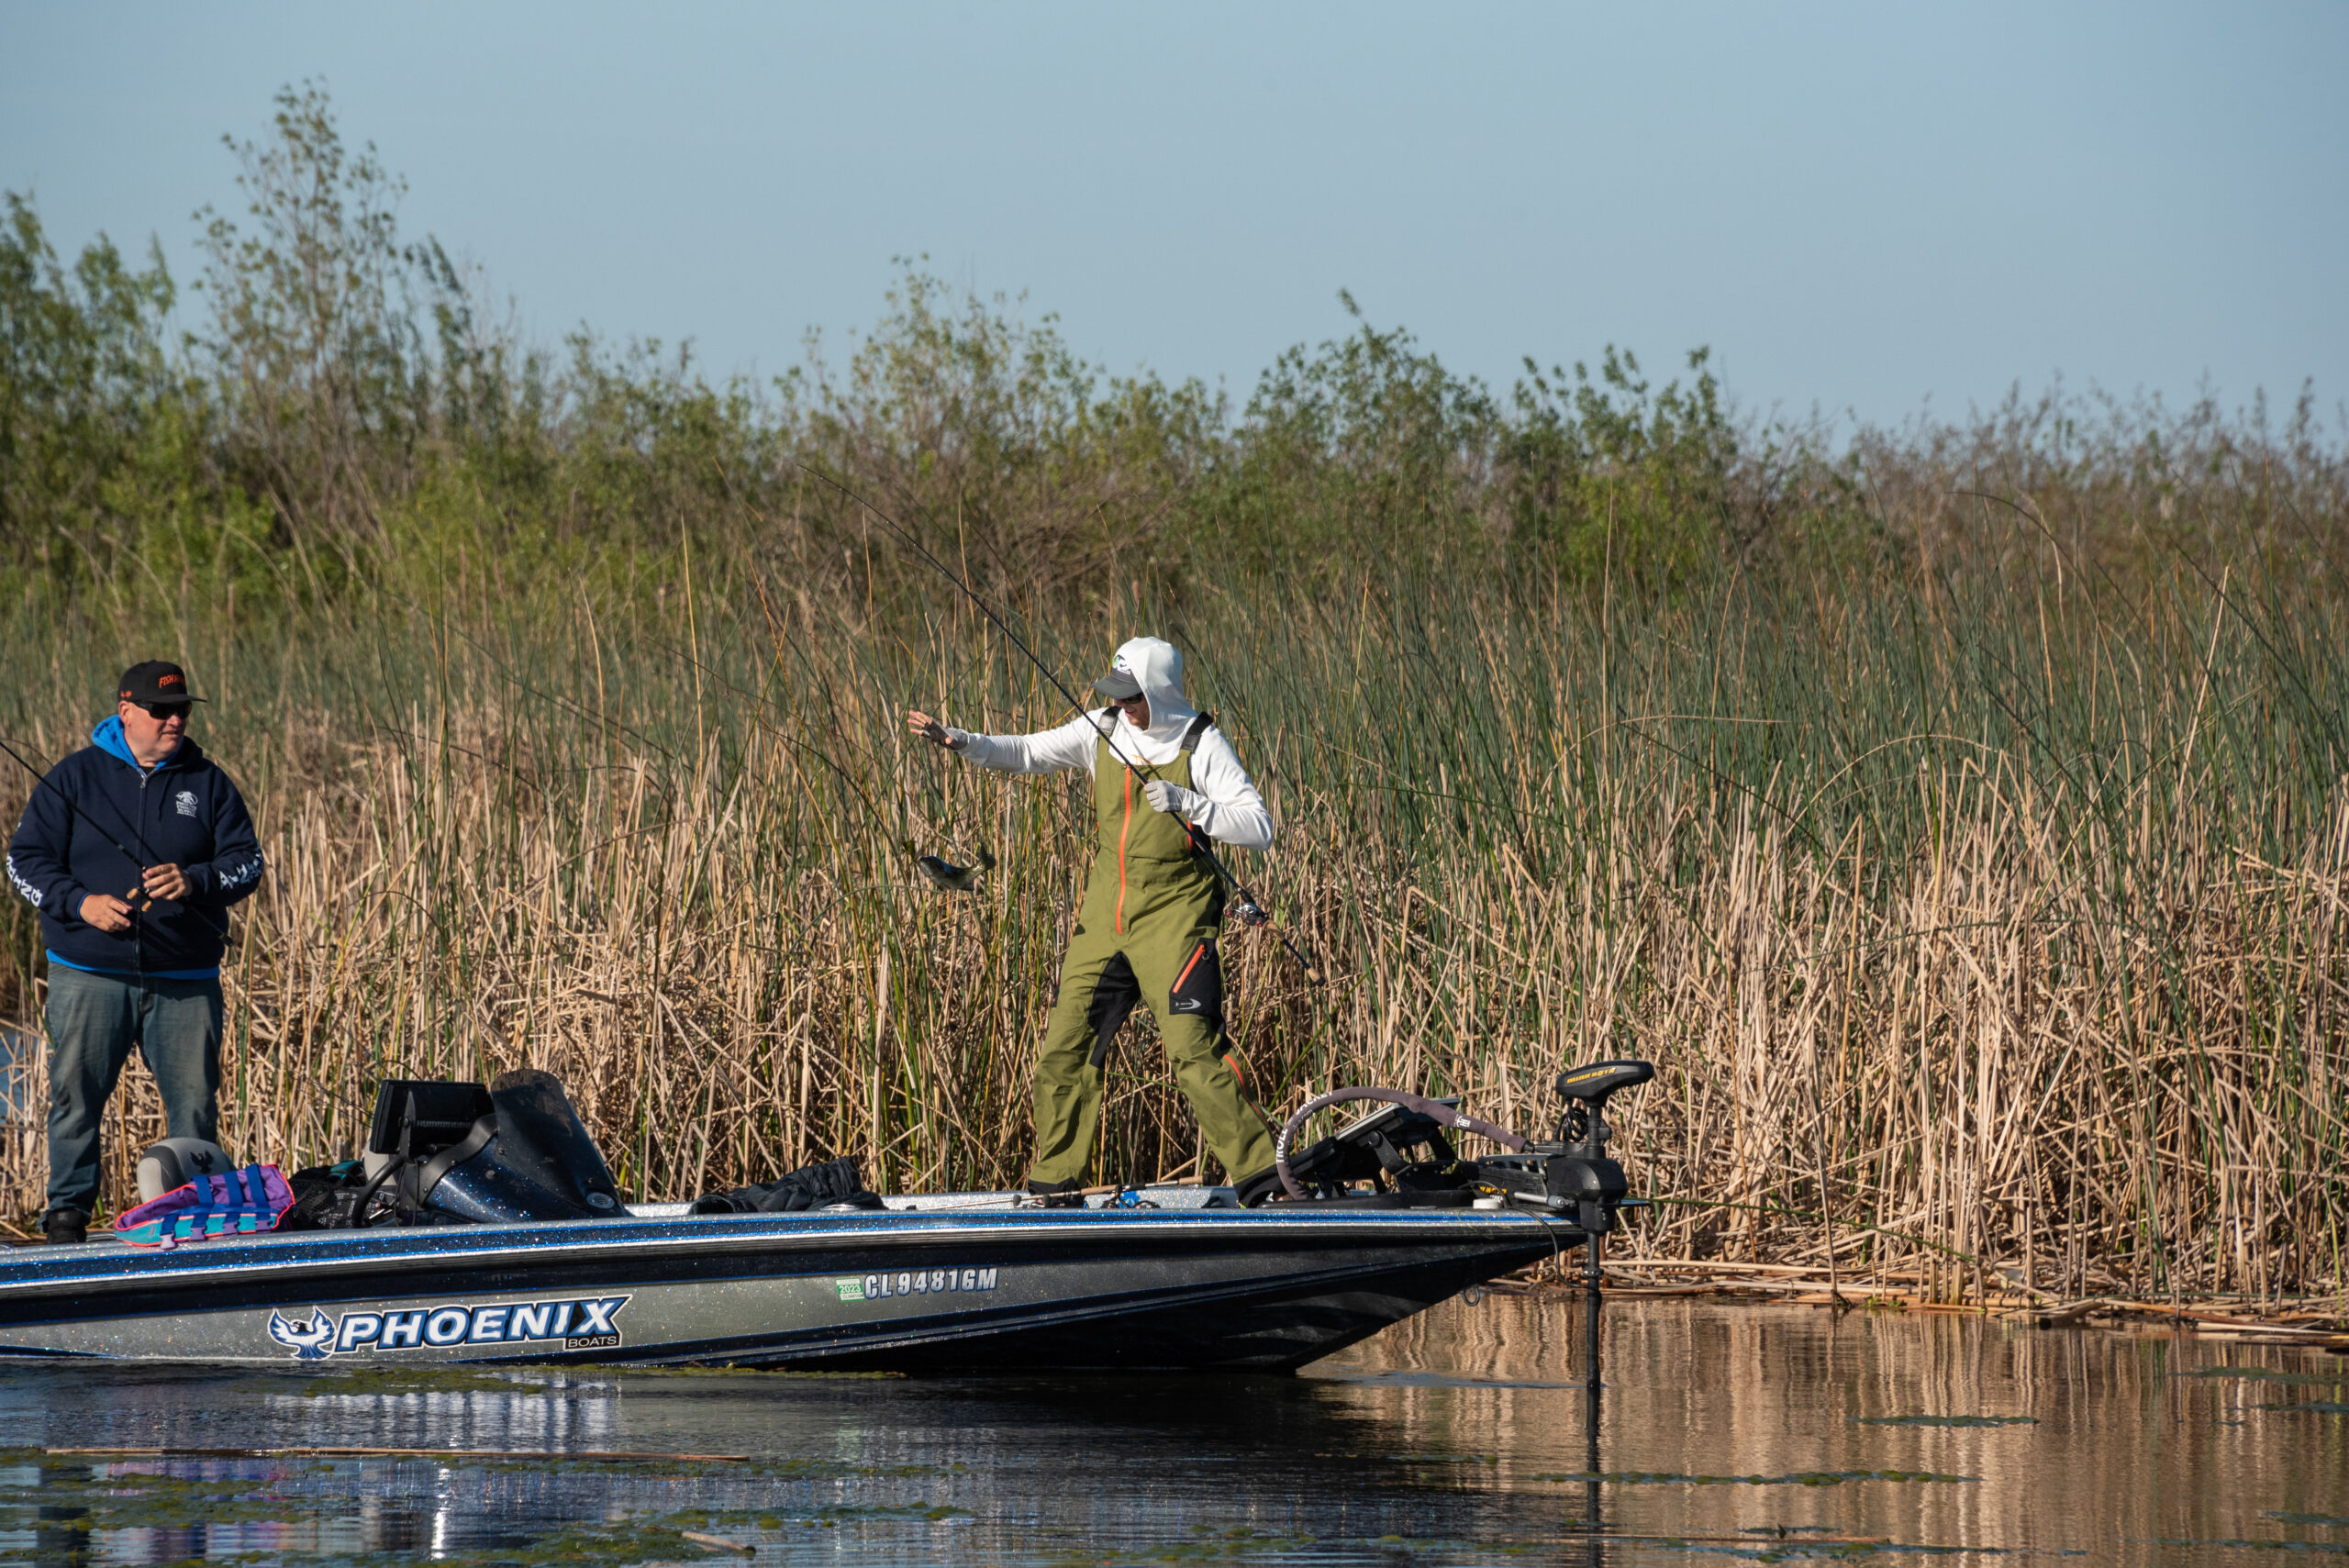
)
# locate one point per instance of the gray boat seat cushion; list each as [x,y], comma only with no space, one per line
[176,1161]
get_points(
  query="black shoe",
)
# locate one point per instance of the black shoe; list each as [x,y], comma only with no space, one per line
[63,1225]
[1254,1191]
[1057,1195]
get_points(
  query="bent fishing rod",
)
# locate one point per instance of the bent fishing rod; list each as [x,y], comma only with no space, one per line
[1245,905]
[135,858]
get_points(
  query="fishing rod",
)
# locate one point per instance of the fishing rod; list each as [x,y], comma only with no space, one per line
[1245,906]
[141,858]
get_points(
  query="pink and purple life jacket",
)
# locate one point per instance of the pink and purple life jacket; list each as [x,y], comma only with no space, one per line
[239,1203]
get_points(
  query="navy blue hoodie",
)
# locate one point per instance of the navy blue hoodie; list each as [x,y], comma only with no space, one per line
[183,811]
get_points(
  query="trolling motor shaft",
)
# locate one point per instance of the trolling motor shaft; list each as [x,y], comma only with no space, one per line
[1576,1170]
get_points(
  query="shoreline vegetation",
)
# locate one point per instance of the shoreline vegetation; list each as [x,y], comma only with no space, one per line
[1953,813]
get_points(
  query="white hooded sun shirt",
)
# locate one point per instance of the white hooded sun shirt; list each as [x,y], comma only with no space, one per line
[1223,803]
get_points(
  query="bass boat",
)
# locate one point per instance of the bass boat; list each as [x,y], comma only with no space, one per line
[485,1228]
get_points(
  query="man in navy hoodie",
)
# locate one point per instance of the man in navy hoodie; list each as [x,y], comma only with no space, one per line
[134,939]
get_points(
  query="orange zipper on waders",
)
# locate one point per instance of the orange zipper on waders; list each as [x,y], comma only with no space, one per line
[1123,829]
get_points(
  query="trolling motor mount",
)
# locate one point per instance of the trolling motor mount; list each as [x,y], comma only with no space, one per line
[1379,1143]
[1576,1172]
[1570,1176]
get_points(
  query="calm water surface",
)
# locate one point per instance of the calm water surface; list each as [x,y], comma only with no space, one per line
[1769,1434]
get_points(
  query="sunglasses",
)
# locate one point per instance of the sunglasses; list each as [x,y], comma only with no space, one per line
[163,709]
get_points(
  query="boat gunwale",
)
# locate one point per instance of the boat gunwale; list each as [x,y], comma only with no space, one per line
[326,1254]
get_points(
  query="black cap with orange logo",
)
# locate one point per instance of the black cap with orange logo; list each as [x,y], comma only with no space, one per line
[156,681]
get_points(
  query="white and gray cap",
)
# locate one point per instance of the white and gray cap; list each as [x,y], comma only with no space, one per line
[1121,682]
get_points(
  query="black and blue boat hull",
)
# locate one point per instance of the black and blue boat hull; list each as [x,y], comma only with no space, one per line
[955,1290]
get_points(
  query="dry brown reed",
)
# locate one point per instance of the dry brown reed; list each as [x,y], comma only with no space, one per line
[2003,943]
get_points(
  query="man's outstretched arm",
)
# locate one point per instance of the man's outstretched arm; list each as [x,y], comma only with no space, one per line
[1045,752]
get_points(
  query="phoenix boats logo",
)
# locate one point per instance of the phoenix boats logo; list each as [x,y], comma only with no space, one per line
[583,1323]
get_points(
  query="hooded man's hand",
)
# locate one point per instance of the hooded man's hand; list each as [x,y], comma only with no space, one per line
[928,728]
[1184,803]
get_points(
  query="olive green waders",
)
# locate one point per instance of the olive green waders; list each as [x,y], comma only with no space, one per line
[1147,932]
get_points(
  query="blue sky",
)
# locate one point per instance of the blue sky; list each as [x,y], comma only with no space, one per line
[1860,208]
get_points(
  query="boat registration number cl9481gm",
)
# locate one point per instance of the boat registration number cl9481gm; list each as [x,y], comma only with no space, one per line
[913,1282]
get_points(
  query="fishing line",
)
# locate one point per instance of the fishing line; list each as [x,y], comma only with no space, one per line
[1250,907]
[1249,911]
[142,858]
[441,621]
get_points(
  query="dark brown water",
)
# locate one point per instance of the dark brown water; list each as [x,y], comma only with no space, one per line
[1770,1434]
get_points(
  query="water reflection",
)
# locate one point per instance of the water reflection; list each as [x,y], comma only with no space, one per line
[1759,1433]
[559,1418]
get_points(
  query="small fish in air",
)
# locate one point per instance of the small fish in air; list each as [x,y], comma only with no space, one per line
[957,879]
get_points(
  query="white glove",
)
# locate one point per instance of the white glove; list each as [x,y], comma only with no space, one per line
[1188,805]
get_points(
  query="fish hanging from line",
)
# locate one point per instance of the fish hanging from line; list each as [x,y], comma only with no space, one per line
[952,878]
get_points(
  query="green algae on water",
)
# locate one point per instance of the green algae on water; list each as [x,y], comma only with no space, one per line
[96,1494]
[1793,1478]
[2268,1374]
[2320,1548]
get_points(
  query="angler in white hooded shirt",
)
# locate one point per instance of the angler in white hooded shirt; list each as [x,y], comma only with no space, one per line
[1161,771]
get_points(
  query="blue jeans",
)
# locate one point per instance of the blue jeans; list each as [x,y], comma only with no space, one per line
[94,1020]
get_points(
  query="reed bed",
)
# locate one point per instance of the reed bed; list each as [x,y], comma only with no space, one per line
[1996,937]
